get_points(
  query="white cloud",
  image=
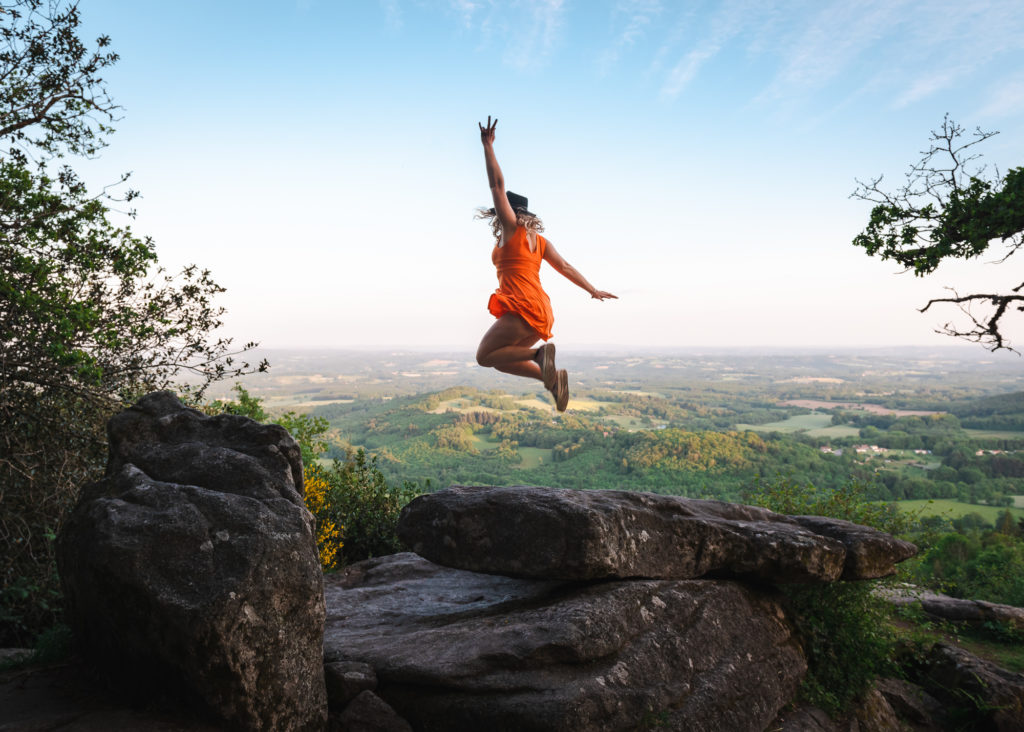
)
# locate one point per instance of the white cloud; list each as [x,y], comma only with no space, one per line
[732,19]
[633,17]
[687,68]
[466,9]
[392,12]
[1007,99]
[830,44]
[536,34]
[529,30]
[926,86]
[921,49]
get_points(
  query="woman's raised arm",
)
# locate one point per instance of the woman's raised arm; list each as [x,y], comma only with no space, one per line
[495,179]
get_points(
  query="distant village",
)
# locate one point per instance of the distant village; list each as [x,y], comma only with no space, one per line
[876,450]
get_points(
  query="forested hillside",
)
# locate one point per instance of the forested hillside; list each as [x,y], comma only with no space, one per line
[897,432]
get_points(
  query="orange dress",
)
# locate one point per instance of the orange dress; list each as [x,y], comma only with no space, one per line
[519,289]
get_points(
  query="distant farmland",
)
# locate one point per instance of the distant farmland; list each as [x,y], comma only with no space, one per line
[815,424]
[855,407]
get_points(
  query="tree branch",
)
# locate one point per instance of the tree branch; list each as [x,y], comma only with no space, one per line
[984,330]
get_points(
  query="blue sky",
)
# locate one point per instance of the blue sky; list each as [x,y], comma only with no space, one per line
[323,158]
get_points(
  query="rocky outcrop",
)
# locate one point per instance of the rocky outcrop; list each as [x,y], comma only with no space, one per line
[191,569]
[546,533]
[870,553]
[456,650]
[346,680]
[993,696]
[191,572]
[369,713]
[889,705]
[918,709]
[955,609]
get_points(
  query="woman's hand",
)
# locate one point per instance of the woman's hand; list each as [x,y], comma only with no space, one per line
[487,133]
[602,295]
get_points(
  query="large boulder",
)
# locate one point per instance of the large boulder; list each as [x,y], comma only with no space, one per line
[916,707]
[548,533]
[871,714]
[191,569]
[455,650]
[992,696]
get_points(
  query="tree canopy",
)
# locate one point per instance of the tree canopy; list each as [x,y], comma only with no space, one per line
[951,207]
[88,319]
[54,99]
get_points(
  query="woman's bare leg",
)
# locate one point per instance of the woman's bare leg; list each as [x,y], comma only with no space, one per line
[508,347]
[530,369]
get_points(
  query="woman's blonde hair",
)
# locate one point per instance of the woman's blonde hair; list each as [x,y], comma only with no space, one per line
[530,222]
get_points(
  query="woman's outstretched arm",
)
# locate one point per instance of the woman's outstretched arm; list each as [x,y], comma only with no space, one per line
[552,257]
[495,179]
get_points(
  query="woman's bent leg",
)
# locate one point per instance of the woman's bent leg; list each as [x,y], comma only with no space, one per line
[529,369]
[508,347]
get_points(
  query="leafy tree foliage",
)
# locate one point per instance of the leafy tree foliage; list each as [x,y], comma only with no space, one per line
[978,564]
[950,208]
[88,320]
[843,625]
[55,100]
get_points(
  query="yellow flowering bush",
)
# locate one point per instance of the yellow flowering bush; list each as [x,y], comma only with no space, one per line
[329,533]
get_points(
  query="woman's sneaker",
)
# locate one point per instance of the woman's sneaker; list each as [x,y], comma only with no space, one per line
[561,391]
[546,359]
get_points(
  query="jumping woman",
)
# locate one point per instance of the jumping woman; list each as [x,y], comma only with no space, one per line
[520,304]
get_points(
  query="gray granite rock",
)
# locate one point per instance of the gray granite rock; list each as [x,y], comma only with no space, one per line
[955,609]
[191,569]
[546,533]
[369,713]
[992,694]
[346,680]
[913,705]
[456,650]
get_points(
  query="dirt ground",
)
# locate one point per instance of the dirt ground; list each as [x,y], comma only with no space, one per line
[67,697]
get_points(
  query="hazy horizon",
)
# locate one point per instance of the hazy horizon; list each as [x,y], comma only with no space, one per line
[968,351]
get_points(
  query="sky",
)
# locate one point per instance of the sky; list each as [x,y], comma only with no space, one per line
[695,158]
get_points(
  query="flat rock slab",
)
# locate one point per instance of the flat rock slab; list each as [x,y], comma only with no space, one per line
[550,533]
[955,609]
[456,650]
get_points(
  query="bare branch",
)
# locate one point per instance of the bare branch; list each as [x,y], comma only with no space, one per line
[985,330]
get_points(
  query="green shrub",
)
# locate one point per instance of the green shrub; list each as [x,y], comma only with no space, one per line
[844,627]
[50,445]
[362,501]
[847,639]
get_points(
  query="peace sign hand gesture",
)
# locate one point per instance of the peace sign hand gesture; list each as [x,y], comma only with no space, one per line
[487,133]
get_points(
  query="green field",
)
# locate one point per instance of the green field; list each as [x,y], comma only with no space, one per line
[482,443]
[999,434]
[627,422]
[534,456]
[955,509]
[815,424]
[462,406]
